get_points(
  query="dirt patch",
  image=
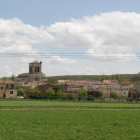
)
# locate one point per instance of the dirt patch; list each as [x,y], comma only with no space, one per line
[64,109]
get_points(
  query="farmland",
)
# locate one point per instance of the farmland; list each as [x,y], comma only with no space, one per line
[68,120]
[67,104]
[69,124]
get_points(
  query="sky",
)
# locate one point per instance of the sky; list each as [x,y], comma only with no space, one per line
[70,37]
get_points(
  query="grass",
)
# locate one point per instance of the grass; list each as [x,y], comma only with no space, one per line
[67,104]
[69,125]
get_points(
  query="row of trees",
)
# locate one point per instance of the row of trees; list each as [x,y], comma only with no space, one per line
[119,77]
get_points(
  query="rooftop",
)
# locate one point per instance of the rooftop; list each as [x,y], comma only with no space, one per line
[7,82]
[35,62]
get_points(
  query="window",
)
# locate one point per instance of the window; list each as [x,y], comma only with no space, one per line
[37,78]
[38,69]
[35,69]
[12,86]
[11,92]
[1,87]
[41,89]
[30,69]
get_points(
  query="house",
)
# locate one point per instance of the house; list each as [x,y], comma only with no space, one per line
[117,88]
[45,80]
[72,89]
[8,89]
[126,83]
[106,81]
[28,94]
[43,87]
[114,81]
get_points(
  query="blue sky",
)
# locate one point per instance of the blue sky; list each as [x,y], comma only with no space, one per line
[46,12]
[71,26]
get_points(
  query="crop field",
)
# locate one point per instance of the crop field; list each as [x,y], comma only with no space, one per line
[68,120]
[67,104]
[69,125]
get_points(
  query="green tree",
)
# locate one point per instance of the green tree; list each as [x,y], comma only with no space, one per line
[21,91]
[12,76]
[50,92]
[52,80]
[60,93]
[82,92]
[114,95]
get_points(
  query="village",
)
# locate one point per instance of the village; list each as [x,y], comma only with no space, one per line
[35,80]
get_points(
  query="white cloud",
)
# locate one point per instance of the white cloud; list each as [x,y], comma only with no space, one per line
[58,60]
[91,54]
[107,33]
[114,31]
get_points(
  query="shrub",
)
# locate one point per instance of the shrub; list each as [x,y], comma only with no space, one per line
[68,97]
[90,98]
[134,96]
[114,95]
[82,92]
[60,93]
[50,92]
[33,97]
[95,93]
[4,95]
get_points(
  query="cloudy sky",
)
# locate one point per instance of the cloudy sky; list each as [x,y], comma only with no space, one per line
[70,37]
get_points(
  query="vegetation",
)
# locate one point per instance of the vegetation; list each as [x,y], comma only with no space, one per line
[28,103]
[114,95]
[69,124]
[21,91]
[4,95]
[95,93]
[52,80]
[82,92]
[50,92]
[120,77]
[91,98]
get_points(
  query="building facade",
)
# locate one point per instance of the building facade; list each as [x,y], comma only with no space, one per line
[8,89]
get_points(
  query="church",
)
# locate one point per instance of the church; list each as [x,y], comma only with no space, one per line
[34,74]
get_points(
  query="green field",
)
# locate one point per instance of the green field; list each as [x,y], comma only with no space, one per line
[69,125]
[67,104]
[68,120]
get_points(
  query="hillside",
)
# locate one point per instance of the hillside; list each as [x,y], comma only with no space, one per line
[120,77]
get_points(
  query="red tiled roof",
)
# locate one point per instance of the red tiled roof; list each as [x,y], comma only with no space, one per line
[8,82]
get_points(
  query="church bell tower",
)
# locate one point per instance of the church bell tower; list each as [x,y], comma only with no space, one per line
[35,71]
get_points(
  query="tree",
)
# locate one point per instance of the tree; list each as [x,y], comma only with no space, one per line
[50,92]
[43,75]
[12,76]
[82,92]
[52,80]
[114,95]
[21,91]
[60,93]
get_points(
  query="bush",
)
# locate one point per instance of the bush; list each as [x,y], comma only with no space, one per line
[4,95]
[114,95]
[134,96]
[82,92]
[50,92]
[33,97]
[90,98]
[60,93]
[68,97]
[95,93]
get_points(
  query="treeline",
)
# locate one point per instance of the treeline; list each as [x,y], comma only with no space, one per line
[120,77]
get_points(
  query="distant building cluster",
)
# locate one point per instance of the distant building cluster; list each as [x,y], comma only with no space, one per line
[8,88]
